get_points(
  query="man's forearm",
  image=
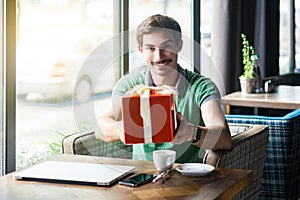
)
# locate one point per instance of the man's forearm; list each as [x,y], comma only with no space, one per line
[215,138]
[108,129]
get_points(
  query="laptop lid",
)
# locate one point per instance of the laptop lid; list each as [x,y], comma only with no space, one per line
[75,172]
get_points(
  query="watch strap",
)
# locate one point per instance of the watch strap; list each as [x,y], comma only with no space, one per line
[197,134]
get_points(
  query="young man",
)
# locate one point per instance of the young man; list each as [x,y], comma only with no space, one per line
[202,124]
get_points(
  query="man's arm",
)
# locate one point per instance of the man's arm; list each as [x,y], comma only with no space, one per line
[108,128]
[215,135]
[110,124]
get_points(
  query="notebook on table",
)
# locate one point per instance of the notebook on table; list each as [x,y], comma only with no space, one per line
[75,172]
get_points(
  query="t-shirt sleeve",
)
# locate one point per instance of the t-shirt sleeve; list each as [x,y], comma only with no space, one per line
[124,84]
[128,82]
[205,90]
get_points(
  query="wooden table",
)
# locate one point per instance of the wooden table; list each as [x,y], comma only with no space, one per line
[221,184]
[285,97]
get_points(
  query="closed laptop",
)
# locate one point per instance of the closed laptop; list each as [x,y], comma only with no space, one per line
[75,172]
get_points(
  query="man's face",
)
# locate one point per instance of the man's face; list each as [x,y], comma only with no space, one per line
[160,51]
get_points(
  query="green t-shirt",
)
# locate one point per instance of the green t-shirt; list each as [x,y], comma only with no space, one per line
[193,89]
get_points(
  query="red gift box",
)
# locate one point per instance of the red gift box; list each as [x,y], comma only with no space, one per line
[149,117]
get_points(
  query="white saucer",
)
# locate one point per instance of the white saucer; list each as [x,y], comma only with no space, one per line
[195,169]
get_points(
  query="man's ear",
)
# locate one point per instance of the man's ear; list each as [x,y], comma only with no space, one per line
[140,49]
[180,45]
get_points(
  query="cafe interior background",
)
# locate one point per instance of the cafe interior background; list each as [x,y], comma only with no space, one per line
[45,43]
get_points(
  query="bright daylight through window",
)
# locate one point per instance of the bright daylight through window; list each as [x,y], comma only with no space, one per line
[139,9]
[286,31]
[54,39]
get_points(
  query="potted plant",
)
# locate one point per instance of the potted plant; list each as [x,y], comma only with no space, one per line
[249,57]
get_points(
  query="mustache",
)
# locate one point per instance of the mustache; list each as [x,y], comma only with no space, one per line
[162,61]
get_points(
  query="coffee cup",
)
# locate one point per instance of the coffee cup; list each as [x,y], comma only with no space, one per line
[164,159]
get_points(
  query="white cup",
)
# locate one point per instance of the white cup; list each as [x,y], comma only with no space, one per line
[164,159]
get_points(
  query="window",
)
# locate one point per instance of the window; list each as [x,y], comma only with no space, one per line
[289,60]
[139,10]
[56,39]
[205,25]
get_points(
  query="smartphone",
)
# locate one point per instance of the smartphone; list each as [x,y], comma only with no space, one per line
[137,180]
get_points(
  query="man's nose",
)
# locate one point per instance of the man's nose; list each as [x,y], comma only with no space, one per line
[158,54]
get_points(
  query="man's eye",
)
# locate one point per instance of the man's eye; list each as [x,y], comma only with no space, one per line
[165,47]
[149,48]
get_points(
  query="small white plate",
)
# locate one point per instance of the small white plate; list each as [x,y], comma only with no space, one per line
[195,169]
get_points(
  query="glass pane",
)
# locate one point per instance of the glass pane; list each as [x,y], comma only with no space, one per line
[56,41]
[140,9]
[205,25]
[297,34]
[285,42]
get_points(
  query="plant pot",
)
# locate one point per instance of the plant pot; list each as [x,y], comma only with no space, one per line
[246,85]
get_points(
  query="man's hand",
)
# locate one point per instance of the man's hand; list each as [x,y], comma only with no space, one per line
[109,129]
[185,131]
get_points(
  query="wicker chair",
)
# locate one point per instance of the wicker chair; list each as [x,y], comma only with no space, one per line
[281,177]
[85,143]
[249,148]
[248,152]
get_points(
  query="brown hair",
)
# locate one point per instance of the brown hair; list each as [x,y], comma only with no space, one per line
[156,22]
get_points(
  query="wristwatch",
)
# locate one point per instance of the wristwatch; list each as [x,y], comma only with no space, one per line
[197,134]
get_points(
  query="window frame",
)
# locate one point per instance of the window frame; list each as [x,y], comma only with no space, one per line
[2,89]
[292,36]
[196,35]
[9,86]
